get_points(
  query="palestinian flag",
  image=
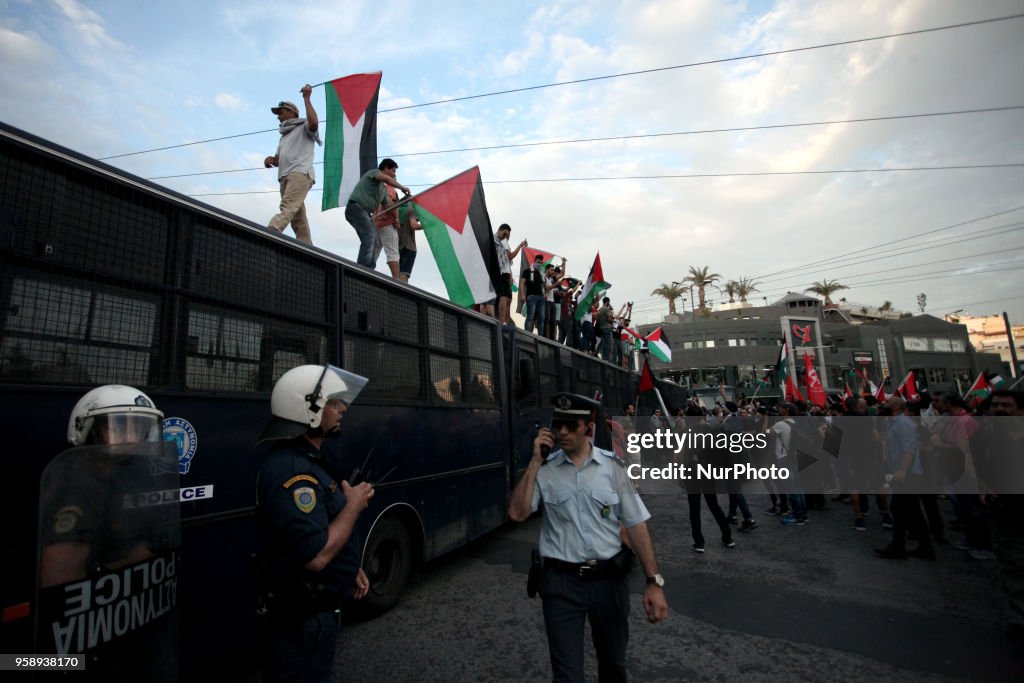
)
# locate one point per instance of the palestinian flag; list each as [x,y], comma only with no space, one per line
[527,255]
[789,389]
[880,392]
[646,383]
[351,140]
[592,289]
[658,344]
[979,391]
[458,229]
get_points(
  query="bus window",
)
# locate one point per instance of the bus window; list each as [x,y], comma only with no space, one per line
[59,333]
[446,378]
[223,352]
[394,369]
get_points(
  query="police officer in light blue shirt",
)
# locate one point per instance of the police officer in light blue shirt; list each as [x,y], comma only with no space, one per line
[587,496]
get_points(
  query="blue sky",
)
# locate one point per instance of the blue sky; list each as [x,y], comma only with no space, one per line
[110,77]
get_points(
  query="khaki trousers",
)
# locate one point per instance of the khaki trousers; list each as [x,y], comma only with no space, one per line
[294,188]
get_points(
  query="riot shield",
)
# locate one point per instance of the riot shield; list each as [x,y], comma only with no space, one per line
[109,554]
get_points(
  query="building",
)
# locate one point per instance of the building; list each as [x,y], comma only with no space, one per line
[988,335]
[741,346]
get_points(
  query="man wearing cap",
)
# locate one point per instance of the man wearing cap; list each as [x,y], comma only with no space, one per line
[294,162]
[367,196]
[586,495]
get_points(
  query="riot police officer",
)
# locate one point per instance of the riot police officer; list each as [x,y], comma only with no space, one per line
[307,519]
[586,496]
[114,415]
[98,526]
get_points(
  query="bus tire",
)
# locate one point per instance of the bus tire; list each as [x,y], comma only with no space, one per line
[388,564]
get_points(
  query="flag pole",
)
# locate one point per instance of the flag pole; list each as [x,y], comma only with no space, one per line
[1016,383]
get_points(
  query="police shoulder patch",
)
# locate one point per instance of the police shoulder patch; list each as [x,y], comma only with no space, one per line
[305,499]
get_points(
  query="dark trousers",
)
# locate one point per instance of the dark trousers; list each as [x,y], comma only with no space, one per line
[568,601]
[302,650]
[906,511]
[738,500]
[693,499]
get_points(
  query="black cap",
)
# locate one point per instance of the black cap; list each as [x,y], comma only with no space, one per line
[573,406]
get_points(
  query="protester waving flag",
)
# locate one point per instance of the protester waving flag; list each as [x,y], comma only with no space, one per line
[458,229]
[908,388]
[592,289]
[351,140]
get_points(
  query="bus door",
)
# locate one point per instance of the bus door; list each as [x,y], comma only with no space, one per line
[109,543]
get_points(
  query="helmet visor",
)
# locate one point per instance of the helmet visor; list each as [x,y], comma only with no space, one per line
[341,385]
[124,428]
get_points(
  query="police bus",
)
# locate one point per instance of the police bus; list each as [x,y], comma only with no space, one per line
[106,278]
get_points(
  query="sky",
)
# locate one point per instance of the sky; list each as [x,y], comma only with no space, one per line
[112,77]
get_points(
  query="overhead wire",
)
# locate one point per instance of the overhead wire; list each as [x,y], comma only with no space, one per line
[617,138]
[592,79]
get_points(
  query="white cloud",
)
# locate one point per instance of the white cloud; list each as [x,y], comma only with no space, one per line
[228,101]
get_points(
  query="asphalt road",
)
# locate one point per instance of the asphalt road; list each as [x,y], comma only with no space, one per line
[808,603]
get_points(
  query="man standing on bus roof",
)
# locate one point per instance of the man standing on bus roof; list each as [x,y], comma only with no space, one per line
[307,519]
[369,194]
[294,162]
[586,495]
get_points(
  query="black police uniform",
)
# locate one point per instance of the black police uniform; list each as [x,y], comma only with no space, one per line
[297,499]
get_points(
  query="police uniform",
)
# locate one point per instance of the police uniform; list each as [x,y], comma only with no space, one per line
[297,499]
[584,575]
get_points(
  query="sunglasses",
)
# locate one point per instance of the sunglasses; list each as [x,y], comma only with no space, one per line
[571,425]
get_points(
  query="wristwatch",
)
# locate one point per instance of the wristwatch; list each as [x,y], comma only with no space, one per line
[658,580]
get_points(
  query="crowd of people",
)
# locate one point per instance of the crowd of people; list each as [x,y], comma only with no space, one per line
[904,457]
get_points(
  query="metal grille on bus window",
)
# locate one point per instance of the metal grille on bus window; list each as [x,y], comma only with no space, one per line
[234,267]
[223,351]
[482,383]
[446,378]
[365,307]
[69,217]
[286,346]
[480,339]
[393,370]
[443,329]
[61,332]
[403,318]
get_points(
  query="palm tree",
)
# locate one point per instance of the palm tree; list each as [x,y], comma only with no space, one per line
[825,289]
[730,289]
[745,287]
[671,292]
[701,279]
[885,308]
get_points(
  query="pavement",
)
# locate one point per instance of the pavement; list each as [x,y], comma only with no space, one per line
[810,603]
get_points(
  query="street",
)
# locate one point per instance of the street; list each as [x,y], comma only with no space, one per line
[787,604]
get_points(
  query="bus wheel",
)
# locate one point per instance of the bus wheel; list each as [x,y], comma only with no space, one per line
[388,564]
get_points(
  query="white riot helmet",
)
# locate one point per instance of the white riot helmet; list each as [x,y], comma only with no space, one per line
[300,395]
[114,414]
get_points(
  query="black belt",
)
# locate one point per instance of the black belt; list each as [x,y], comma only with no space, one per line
[591,569]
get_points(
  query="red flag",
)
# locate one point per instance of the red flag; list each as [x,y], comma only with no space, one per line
[815,392]
[880,392]
[908,388]
[792,392]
